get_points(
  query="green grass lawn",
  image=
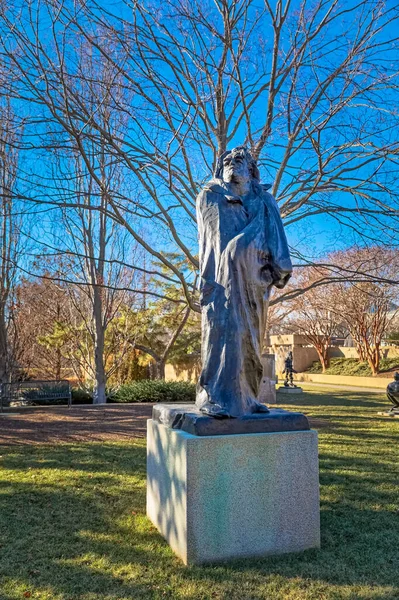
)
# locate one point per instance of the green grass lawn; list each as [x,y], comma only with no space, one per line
[73,525]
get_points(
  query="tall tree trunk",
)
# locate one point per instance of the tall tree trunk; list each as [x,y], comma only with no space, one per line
[360,351]
[160,369]
[323,357]
[373,359]
[326,350]
[377,357]
[99,396]
[162,362]
[58,364]
[3,348]
[372,366]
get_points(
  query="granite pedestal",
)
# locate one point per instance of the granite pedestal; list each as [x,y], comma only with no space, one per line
[393,414]
[289,390]
[267,390]
[188,418]
[221,497]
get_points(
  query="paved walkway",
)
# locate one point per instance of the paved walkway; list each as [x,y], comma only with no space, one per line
[80,423]
[347,388]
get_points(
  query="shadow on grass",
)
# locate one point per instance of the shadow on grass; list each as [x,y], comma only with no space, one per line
[72,522]
[333,398]
[93,539]
[56,425]
[108,458]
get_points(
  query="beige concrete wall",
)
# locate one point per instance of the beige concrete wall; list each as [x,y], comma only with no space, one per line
[389,352]
[305,355]
[373,382]
[287,340]
[280,353]
[173,374]
[343,352]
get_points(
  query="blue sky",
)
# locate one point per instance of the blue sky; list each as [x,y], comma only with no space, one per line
[370,121]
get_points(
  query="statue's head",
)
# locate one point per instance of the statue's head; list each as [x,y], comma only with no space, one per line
[396,376]
[237,166]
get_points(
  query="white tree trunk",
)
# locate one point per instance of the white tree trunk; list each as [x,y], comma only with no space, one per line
[3,347]
[99,396]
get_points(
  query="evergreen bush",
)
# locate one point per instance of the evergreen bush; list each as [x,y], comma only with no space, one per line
[80,396]
[156,390]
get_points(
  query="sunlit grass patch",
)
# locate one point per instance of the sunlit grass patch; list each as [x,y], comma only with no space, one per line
[73,525]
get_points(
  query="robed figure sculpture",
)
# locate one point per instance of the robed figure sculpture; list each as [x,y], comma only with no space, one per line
[243,252]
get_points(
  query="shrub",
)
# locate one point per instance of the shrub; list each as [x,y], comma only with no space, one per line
[342,366]
[80,396]
[157,390]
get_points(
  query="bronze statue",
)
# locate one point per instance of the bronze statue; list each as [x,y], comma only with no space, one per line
[289,370]
[393,394]
[243,252]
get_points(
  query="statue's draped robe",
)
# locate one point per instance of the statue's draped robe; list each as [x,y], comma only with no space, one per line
[243,251]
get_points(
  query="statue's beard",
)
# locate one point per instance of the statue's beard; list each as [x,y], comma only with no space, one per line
[236,178]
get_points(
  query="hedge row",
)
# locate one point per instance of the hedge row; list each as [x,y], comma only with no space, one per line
[146,390]
[156,390]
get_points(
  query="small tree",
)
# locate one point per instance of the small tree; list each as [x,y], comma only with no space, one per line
[367,313]
[368,308]
[10,248]
[41,314]
[156,328]
[313,314]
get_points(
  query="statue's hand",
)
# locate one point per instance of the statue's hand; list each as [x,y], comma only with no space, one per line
[280,278]
[267,275]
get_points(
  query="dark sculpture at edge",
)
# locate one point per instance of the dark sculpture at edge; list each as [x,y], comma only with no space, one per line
[289,370]
[393,394]
[243,252]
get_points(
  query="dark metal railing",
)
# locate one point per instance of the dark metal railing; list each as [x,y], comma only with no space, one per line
[35,392]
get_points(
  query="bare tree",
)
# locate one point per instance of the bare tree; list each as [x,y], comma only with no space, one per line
[41,316]
[85,175]
[368,308]
[364,306]
[314,314]
[156,327]
[311,88]
[159,338]
[97,251]
[10,223]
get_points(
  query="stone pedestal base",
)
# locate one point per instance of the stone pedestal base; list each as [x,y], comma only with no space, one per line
[190,419]
[393,414]
[216,498]
[267,391]
[289,390]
